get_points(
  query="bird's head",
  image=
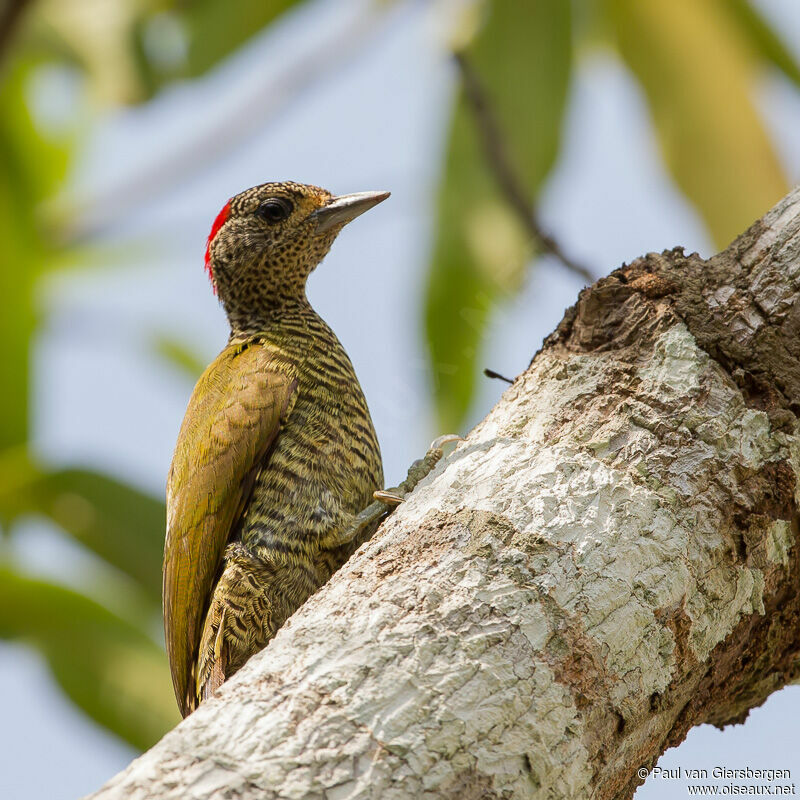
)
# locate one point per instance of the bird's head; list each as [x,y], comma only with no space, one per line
[266,240]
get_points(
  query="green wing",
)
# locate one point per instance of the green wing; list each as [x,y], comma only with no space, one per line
[233,417]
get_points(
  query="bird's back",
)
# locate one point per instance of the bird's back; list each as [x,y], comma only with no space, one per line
[321,470]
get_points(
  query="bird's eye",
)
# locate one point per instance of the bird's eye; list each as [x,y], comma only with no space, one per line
[276,209]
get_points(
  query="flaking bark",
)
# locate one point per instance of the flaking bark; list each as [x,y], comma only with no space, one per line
[609,559]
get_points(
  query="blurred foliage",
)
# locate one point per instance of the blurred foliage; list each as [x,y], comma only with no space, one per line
[766,44]
[114,668]
[214,29]
[481,248]
[178,355]
[32,168]
[129,49]
[698,72]
[697,62]
[116,522]
[107,664]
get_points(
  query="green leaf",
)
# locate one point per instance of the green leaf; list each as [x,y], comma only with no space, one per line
[143,45]
[31,168]
[179,355]
[523,55]
[215,29]
[764,40]
[122,525]
[106,665]
[211,31]
[698,73]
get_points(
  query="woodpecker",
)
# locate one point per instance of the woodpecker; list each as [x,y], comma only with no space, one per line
[276,477]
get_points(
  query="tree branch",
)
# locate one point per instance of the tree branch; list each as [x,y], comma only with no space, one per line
[612,557]
[500,164]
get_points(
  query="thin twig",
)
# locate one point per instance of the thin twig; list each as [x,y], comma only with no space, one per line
[490,373]
[499,162]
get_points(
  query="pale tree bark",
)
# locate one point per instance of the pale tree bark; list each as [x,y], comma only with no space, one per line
[609,559]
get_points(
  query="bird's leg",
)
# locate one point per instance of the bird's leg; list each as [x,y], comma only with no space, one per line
[417,471]
[387,499]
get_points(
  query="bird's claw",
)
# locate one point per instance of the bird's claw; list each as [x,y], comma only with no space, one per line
[388,497]
[440,441]
[435,452]
[416,472]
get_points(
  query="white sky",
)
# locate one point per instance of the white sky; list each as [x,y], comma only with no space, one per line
[376,123]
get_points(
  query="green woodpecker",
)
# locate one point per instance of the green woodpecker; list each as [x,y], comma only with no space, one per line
[277,460]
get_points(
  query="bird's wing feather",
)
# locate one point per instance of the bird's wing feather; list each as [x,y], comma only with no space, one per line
[233,418]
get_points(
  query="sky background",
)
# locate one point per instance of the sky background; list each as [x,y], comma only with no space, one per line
[376,121]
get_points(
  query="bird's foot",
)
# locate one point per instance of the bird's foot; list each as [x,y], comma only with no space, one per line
[371,516]
[417,471]
[387,496]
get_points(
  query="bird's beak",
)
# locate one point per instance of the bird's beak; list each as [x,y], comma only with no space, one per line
[345,208]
